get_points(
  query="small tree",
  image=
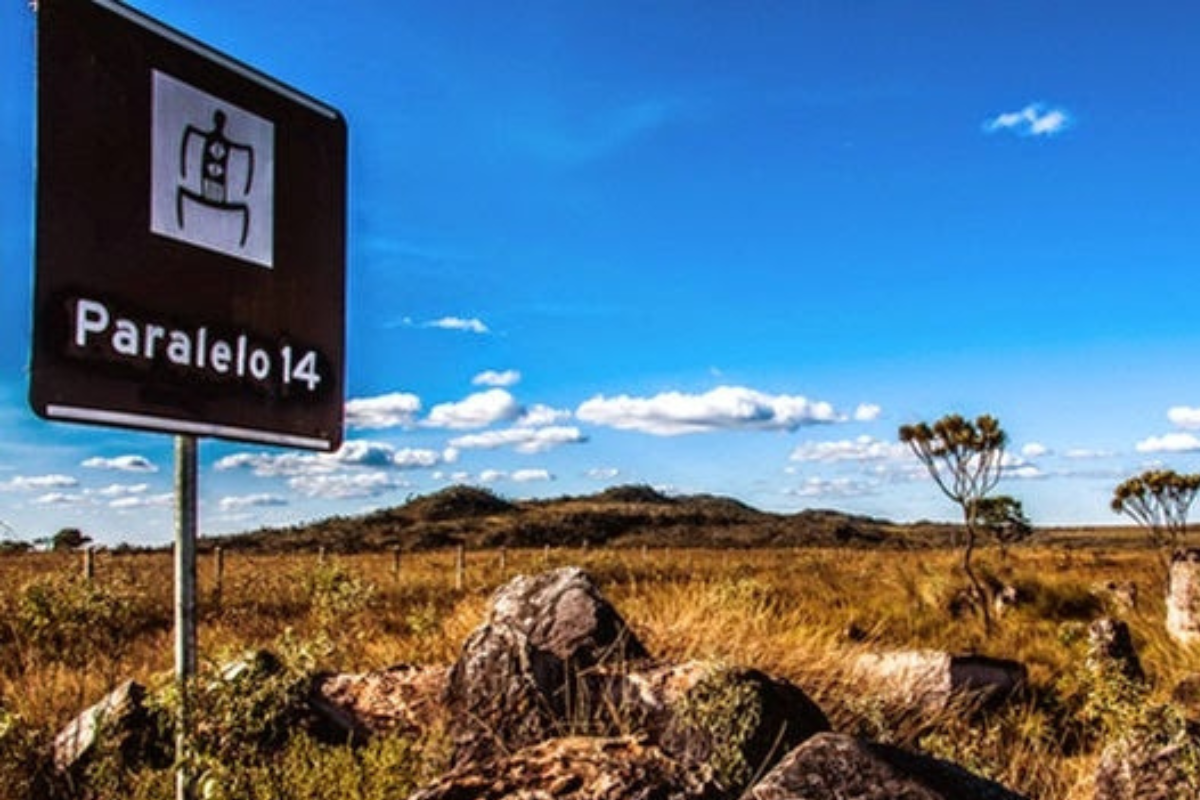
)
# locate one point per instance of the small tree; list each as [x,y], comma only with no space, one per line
[1003,519]
[1159,501]
[964,459]
[69,539]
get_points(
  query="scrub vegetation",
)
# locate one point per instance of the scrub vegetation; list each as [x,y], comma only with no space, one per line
[802,613]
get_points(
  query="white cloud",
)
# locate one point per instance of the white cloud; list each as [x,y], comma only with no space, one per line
[525,440]
[1024,472]
[60,499]
[476,411]
[1017,468]
[242,502]
[723,408]
[362,452]
[1034,119]
[1034,450]
[603,473]
[1169,443]
[352,453]
[163,500]
[394,410]
[830,487]
[128,463]
[863,448]
[509,377]
[531,475]
[344,486]
[1082,453]
[471,325]
[867,412]
[123,489]
[516,476]
[266,465]
[416,458]
[539,415]
[1185,417]
[26,483]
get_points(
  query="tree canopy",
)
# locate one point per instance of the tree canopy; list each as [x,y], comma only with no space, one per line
[963,457]
[1159,500]
[69,539]
[965,460]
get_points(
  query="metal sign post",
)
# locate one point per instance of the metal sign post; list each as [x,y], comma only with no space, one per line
[190,256]
[186,485]
[190,237]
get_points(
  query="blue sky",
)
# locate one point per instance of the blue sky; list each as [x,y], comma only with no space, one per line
[718,247]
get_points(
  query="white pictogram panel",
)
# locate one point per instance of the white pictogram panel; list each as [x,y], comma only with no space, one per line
[212,172]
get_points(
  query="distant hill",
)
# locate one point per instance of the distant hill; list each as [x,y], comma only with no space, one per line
[622,516]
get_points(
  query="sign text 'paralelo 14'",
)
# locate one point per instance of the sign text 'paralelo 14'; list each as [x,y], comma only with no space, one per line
[104,333]
[191,273]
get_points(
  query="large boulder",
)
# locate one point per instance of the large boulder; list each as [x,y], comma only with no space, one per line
[576,768]
[930,681]
[737,721]
[833,765]
[398,700]
[562,612]
[520,678]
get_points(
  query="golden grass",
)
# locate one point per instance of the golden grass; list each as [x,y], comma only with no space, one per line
[787,612]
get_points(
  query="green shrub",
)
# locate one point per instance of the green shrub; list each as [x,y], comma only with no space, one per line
[77,622]
[25,767]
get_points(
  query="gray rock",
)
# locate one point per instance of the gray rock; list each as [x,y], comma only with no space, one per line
[1111,650]
[832,765]
[520,678]
[403,700]
[562,612]
[929,681]
[737,721]
[119,721]
[1183,597]
[576,768]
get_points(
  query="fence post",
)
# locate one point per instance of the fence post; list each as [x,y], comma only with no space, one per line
[460,567]
[89,563]
[396,563]
[503,560]
[218,573]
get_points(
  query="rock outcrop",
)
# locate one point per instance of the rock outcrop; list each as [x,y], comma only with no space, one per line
[399,700]
[735,720]
[931,680]
[577,768]
[1183,597]
[832,765]
[553,697]
[522,676]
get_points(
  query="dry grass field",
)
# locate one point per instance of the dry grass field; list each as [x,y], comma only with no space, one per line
[65,641]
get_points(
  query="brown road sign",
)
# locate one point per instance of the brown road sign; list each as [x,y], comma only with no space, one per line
[190,237]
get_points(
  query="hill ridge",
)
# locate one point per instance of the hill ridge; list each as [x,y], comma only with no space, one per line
[619,516]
